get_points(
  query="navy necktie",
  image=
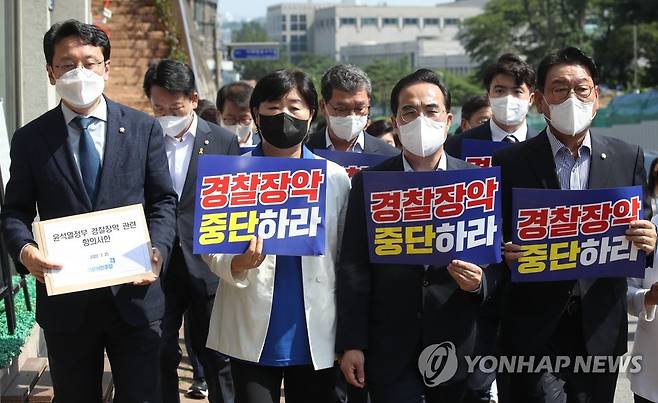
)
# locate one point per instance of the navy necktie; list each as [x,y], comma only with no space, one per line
[510,139]
[88,157]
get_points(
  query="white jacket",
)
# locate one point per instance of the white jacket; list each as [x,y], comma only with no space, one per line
[241,313]
[646,335]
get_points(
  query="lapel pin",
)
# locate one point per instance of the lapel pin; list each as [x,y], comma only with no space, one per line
[206,142]
[603,156]
[122,130]
[201,151]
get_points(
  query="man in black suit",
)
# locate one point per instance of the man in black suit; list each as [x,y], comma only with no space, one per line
[91,154]
[509,85]
[569,318]
[387,314]
[189,284]
[345,104]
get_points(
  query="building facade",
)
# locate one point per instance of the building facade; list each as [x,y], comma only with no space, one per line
[290,24]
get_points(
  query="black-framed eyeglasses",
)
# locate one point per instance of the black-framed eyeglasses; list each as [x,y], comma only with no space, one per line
[66,67]
[358,110]
[561,92]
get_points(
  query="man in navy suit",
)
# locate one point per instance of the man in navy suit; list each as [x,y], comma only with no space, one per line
[509,83]
[587,317]
[389,313]
[189,284]
[345,105]
[91,154]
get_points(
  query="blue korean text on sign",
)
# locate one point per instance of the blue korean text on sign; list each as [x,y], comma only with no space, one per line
[254,53]
[575,234]
[431,218]
[352,162]
[480,152]
[281,199]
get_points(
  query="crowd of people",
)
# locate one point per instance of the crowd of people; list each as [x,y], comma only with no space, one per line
[336,327]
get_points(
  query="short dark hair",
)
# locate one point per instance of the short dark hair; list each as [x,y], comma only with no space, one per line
[344,77]
[378,128]
[171,75]
[277,84]
[238,92]
[474,104]
[88,34]
[567,56]
[206,110]
[513,66]
[419,76]
[651,183]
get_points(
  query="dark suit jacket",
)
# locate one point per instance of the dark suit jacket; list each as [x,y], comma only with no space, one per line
[44,176]
[371,144]
[453,145]
[213,140]
[392,312]
[531,311]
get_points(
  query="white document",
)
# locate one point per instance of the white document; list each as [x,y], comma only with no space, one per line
[96,249]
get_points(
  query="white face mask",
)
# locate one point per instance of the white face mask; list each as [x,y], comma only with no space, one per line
[242,132]
[172,126]
[422,136]
[347,127]
[509,110]
[571,116]
[80,87]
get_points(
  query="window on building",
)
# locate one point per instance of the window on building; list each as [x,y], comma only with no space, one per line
[390,21]
[368,21]
[302,22]
[284,39]
[451,21]
[346,21]
[431,21]
[294,26]
[283,23]
[298,43]
[410,21]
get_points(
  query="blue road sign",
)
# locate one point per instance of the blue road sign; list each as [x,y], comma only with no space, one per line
[254,53]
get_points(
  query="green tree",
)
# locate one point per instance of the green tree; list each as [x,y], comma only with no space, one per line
[461,87]
[531,28]
[250,32]
[383,75]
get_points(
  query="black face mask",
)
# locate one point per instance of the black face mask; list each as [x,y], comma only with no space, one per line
[282,130]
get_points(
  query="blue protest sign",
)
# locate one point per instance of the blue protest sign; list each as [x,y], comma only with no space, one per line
[479,152]
[433,217]
[575,234]
[352,162]
[280,199]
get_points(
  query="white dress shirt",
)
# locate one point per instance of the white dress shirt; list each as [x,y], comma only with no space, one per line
[498,134]
[357,147]
[179,154]
[97,130]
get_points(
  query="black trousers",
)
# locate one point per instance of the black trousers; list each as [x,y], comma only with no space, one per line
[181,299]
[567,386]
[409,388]
[346,393]
[76,357]
[197,368]
[302,384]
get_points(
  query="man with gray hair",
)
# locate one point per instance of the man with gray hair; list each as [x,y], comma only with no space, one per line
[345,105]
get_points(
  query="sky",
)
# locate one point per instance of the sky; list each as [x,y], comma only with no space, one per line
[250,9]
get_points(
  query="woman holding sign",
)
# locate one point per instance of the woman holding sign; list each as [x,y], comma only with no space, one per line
[274,314]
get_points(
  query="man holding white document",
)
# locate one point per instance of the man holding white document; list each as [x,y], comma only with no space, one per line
[87,155]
